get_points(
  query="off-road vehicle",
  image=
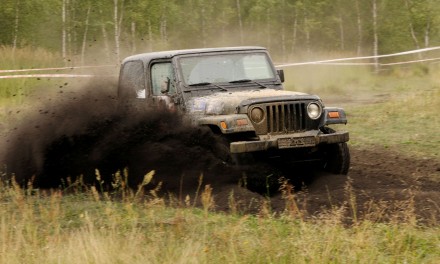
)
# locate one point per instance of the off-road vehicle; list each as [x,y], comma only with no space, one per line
[238,93]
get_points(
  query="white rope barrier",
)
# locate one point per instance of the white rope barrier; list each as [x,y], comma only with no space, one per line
[48,76]
[408,62]
[54,69]
[333,61]
[372,63]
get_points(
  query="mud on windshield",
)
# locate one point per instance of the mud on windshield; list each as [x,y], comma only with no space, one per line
[225,68]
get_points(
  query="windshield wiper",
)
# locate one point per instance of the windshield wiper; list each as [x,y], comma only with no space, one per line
[206,84]
[241,81]
[248,80]
[200,84]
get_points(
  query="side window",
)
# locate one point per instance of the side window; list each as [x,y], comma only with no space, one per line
[132,80]
[162,75]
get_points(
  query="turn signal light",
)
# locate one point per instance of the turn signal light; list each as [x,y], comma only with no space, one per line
[333,114]
[223,125]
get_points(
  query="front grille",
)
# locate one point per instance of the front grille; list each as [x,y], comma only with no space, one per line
[284,117]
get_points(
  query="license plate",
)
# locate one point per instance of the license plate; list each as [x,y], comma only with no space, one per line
[296,142]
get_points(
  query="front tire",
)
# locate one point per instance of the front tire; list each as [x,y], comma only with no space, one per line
[336,158]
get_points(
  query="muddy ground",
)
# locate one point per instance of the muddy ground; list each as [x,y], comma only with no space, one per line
[76,134]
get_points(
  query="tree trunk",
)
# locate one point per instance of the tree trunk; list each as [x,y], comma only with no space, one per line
[359,29]
[150,36]
[411,27]
[375,38]
[163,29]
[133,37]
[84,43]
[203,25]
[64,33]
[240,22]
[163,25]
[427,31]
[69,33]
[223,35]
[283,30]
[341,32]
[73,37]
[105,38]
[268,35]
[116,26]
[17,17]
[121,15]
[294,31]
[307,31]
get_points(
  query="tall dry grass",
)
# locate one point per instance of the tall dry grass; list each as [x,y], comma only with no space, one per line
[87,226]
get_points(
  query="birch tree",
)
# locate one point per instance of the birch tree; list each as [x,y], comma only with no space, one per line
[84,42]
[359,28]
[294,29]
[341,26]
[116,30]
[17,20]
[240,21]
[64,32]
[411,25]
[375,36]
[104,33]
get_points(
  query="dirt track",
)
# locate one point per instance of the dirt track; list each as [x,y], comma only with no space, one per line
[381,184]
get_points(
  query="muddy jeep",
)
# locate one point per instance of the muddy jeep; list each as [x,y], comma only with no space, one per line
[238,94]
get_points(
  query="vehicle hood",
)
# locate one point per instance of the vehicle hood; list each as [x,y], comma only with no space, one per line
[227,102]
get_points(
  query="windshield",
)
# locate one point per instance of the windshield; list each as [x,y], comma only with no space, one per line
[225,68]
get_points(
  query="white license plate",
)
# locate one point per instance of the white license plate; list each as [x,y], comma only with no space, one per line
[296,142]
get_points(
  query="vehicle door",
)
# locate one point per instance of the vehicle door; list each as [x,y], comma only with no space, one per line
[163,84]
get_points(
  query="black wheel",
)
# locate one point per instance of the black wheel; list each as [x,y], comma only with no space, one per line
[336,158]
[261,179]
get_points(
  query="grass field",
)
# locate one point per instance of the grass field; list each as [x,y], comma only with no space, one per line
[397,110]
[88,227]
[16,90]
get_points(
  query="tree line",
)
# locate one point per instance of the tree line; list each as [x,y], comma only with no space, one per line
[291,29]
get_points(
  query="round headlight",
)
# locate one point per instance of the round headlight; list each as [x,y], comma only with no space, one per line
[314,110]
[257,115]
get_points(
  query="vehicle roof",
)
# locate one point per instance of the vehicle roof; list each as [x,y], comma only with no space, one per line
[146,57]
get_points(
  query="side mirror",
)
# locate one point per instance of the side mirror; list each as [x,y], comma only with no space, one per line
[165,88]
[281,74]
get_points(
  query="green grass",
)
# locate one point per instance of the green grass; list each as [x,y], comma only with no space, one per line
[27,58]
[92,227]
[409,124]
[15,91]
[397,109]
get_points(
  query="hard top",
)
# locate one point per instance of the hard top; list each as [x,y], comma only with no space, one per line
[146,57]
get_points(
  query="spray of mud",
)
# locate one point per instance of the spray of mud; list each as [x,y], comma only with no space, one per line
[76,134]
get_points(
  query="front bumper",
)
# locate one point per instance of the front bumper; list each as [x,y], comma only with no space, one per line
[301,140]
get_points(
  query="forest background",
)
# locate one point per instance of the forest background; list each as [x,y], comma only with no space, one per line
[86,31]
